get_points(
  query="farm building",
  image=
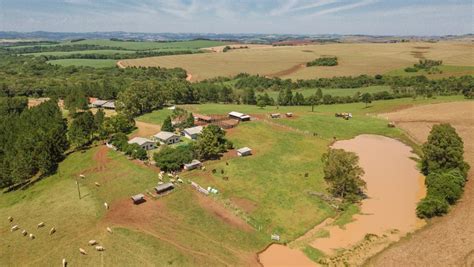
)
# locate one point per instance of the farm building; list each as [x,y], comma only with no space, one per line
[167,138]
[193,132]
[163,188]
[138,199]
[203,118]
[144,143]
[193,165]
[244,151]
[107,104]
[239,116]
[275,115]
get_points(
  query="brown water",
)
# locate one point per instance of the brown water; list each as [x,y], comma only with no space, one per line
[394,186]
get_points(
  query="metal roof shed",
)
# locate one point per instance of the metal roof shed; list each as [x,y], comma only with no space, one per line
[137,199]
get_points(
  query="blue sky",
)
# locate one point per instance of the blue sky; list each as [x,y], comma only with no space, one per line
[385,17]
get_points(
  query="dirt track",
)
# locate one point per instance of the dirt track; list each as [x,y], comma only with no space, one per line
[448,241]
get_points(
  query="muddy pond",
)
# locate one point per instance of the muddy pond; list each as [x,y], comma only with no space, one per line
[394,187]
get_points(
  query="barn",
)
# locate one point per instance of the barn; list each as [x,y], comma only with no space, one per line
[239,116]
[193,165]
[163,188]
[138,199]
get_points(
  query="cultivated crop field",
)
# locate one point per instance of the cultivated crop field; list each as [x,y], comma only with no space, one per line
[95,63]
[289,62]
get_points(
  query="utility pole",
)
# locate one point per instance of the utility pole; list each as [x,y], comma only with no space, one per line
[78,188]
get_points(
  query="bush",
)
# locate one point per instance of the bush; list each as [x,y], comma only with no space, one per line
[431,206]
[445,185]
[411,69]
[323,61]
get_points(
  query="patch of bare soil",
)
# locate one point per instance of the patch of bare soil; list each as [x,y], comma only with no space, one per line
[449,240]
[289,71]
[221,212]
[247,205]
[120,64]
[189,77]
[280,255]
[146,129]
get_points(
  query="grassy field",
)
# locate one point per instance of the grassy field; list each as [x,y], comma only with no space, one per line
[447,71]
[336,91]
[95,63]
[268,189]
[149,45]
[287,62]
[83,52]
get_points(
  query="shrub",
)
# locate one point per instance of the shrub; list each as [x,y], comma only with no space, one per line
[445,186]
[411,69]
[431,206]
[323,61]
[172,159]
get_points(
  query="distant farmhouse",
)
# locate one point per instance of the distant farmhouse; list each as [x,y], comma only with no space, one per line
[239,116]
[193,132]
[98,103]
[144,143]
[166,138]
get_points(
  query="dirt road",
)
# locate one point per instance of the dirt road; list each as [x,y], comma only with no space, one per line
[448,241]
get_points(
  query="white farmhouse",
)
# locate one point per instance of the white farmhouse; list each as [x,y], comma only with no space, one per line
[167,138]
[144,143]
[193,132]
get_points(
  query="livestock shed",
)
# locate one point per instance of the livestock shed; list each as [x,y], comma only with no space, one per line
[244,151]
[193,165]
[204,118]
[144,143]
[275,115]
[163,188]
[239,116]
[167,138]
[138,199]
[193,132]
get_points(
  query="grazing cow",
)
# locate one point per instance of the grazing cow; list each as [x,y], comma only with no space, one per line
[64,263]
[32,236]
[52,231]
[99,248]
[82,251]
[92,242]
[106,205]
[41,224]
[10,219]
[14,228]
[24,232]
[109,230]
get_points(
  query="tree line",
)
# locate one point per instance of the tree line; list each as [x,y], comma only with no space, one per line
[445,169]
[118,56]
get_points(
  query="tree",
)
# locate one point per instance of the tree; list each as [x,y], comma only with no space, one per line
[172,159]
[189,121]
[342,172]
[118,124]
[444,150]
[76,100]
[431,206]
[211,143]
[167,126]
[261,103]
[366,98]
[82,129]
[319,94]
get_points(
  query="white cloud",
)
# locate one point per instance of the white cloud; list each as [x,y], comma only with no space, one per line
[343,8]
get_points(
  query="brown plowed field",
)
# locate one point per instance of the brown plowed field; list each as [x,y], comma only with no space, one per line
[446,241]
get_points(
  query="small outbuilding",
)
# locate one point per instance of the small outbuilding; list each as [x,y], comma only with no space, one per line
[193,132]
[138,199]
[109,105]
[204,118]
[289,114]
[193,165]
[106,104]
[244,151]
[167,138]
[275,115]
[163,188]
[144,143]
[239,116]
